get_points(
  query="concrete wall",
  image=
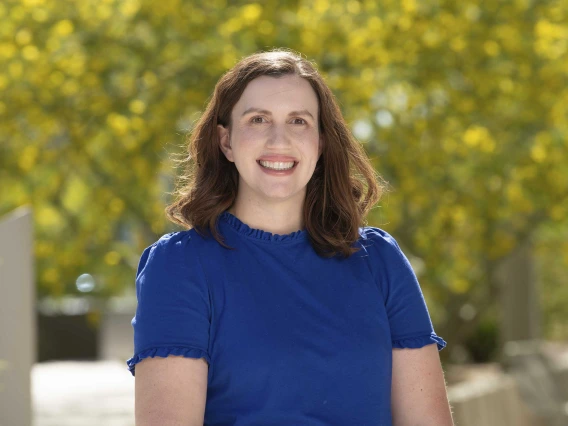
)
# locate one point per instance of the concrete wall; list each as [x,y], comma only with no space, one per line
[490,401]
[116,335]
[17,317]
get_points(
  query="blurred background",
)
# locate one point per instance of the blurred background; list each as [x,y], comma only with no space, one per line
[462,107]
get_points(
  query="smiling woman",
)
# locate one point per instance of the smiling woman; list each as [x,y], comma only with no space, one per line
[278,305]
[275,106]
[282,137]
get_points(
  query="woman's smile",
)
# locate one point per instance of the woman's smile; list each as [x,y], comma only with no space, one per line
[277,168]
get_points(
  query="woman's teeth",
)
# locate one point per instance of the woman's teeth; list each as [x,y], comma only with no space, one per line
[277,166]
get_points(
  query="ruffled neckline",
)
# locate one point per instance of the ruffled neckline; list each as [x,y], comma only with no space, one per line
[260,235]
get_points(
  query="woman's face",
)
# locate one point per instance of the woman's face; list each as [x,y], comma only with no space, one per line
[275,120]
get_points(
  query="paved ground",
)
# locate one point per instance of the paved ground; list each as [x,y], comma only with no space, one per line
[82,393]
[97,393]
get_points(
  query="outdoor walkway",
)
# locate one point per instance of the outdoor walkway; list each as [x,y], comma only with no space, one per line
[82,393]
[97,393]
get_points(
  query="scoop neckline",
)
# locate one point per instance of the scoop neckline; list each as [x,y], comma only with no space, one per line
[258,234]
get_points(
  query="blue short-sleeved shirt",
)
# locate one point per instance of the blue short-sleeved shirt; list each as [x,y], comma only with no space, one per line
[291,338]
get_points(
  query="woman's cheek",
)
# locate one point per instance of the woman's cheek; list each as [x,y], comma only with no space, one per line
[253,133]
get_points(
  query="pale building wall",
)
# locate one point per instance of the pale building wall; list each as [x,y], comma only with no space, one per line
[17,317]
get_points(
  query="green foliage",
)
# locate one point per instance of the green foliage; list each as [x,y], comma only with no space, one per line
[462,106]
[482,344]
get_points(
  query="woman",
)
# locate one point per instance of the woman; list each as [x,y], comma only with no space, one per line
[276,307]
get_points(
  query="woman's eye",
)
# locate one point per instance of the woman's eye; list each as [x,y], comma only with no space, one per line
[259,120]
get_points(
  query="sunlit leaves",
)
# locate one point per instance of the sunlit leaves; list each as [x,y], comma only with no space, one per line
[462,107]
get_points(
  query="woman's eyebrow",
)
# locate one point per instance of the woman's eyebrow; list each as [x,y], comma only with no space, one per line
[263,111]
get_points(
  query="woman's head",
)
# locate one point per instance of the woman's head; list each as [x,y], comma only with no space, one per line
[275,123]
[333,177]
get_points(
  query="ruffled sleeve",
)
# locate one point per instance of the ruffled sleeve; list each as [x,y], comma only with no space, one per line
[419,341]
[173,311]
[409,319]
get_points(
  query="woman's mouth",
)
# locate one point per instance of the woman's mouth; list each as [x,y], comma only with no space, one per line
[278,168]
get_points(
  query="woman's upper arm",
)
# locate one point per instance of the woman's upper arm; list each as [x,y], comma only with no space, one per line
[171,334]
[419,394]
[170,391]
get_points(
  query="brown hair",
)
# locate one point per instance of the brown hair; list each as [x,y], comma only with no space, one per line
[343,187]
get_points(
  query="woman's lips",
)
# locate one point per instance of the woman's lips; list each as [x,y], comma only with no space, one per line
[278,172]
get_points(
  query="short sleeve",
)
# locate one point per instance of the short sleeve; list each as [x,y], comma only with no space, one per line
[409,319]
[173,310]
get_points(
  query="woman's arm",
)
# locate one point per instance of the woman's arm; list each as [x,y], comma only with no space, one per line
[170,391]
[419,395]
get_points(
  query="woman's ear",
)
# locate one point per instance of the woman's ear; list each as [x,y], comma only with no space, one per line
[225,142]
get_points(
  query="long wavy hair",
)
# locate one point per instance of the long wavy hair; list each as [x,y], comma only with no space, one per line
[342,190]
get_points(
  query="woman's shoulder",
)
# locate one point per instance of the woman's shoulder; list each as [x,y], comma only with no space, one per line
[173,238]
[375,235]
[173,248]
[170,241]
[378,243]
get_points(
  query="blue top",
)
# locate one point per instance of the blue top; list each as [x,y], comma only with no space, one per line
[291,338]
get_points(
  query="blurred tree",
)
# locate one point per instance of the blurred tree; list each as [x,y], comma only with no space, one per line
[461,105]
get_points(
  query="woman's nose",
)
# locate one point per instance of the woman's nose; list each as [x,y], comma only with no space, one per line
[279,134]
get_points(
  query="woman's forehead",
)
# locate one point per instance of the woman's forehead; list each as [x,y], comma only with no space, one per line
[289,92]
